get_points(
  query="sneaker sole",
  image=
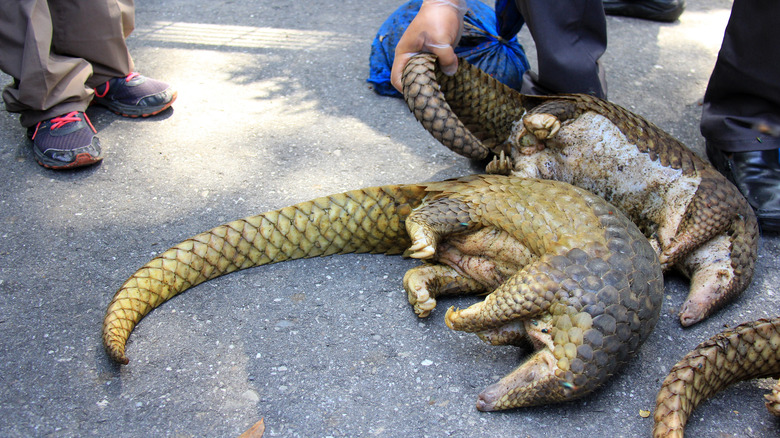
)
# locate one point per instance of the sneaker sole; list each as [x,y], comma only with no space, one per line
[132,111]
[81,160]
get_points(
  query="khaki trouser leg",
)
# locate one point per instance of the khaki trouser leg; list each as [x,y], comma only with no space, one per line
[96,33]
[52,51]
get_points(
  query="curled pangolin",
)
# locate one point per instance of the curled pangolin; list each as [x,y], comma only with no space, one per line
[694,217]
[565,270]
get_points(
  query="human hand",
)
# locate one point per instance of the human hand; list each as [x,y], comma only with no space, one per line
[435,29]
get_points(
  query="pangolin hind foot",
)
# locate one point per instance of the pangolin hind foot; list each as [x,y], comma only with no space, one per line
[696,219]
[553,257]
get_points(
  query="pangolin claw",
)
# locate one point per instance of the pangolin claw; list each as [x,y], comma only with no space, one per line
[449,316]
[425,252]
[773,400]
[420,299]
[500,165]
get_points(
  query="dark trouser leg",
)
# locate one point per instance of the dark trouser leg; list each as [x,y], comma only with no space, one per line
[744,89]
[741,112]
[570,37]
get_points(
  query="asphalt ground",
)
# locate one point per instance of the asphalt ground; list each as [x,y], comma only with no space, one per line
[274,109]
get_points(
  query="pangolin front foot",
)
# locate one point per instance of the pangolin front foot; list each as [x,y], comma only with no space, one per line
[525,295]
[542,126]
[773,400]
[416,286]
[423,240]
[424,283]
[501,165]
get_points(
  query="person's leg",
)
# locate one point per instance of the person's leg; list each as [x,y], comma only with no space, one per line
[48,89]
[97,33]
[741,111]
[570,37]
[45,84]
[56,56]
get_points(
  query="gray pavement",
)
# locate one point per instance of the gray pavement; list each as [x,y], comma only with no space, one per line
[274,109]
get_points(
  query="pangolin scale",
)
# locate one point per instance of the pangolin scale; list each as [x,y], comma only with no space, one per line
[565,270]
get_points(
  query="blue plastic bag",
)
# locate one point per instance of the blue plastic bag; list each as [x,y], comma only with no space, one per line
[489,41]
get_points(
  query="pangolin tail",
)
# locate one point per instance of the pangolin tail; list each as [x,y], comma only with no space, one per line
[747,351]
[471,112]
[364,220]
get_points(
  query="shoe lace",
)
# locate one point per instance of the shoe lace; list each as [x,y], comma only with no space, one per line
[60,121]
[132,75]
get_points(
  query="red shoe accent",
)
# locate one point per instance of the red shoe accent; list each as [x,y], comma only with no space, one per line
[83,159]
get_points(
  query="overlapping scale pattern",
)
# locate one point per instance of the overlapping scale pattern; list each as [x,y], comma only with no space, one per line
[368,220]
[747,351]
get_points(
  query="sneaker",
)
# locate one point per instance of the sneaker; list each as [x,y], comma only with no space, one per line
[135,95]
[65,142]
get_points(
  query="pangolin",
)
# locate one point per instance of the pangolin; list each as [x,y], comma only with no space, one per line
[565,270]
[696,219]
[747,351]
